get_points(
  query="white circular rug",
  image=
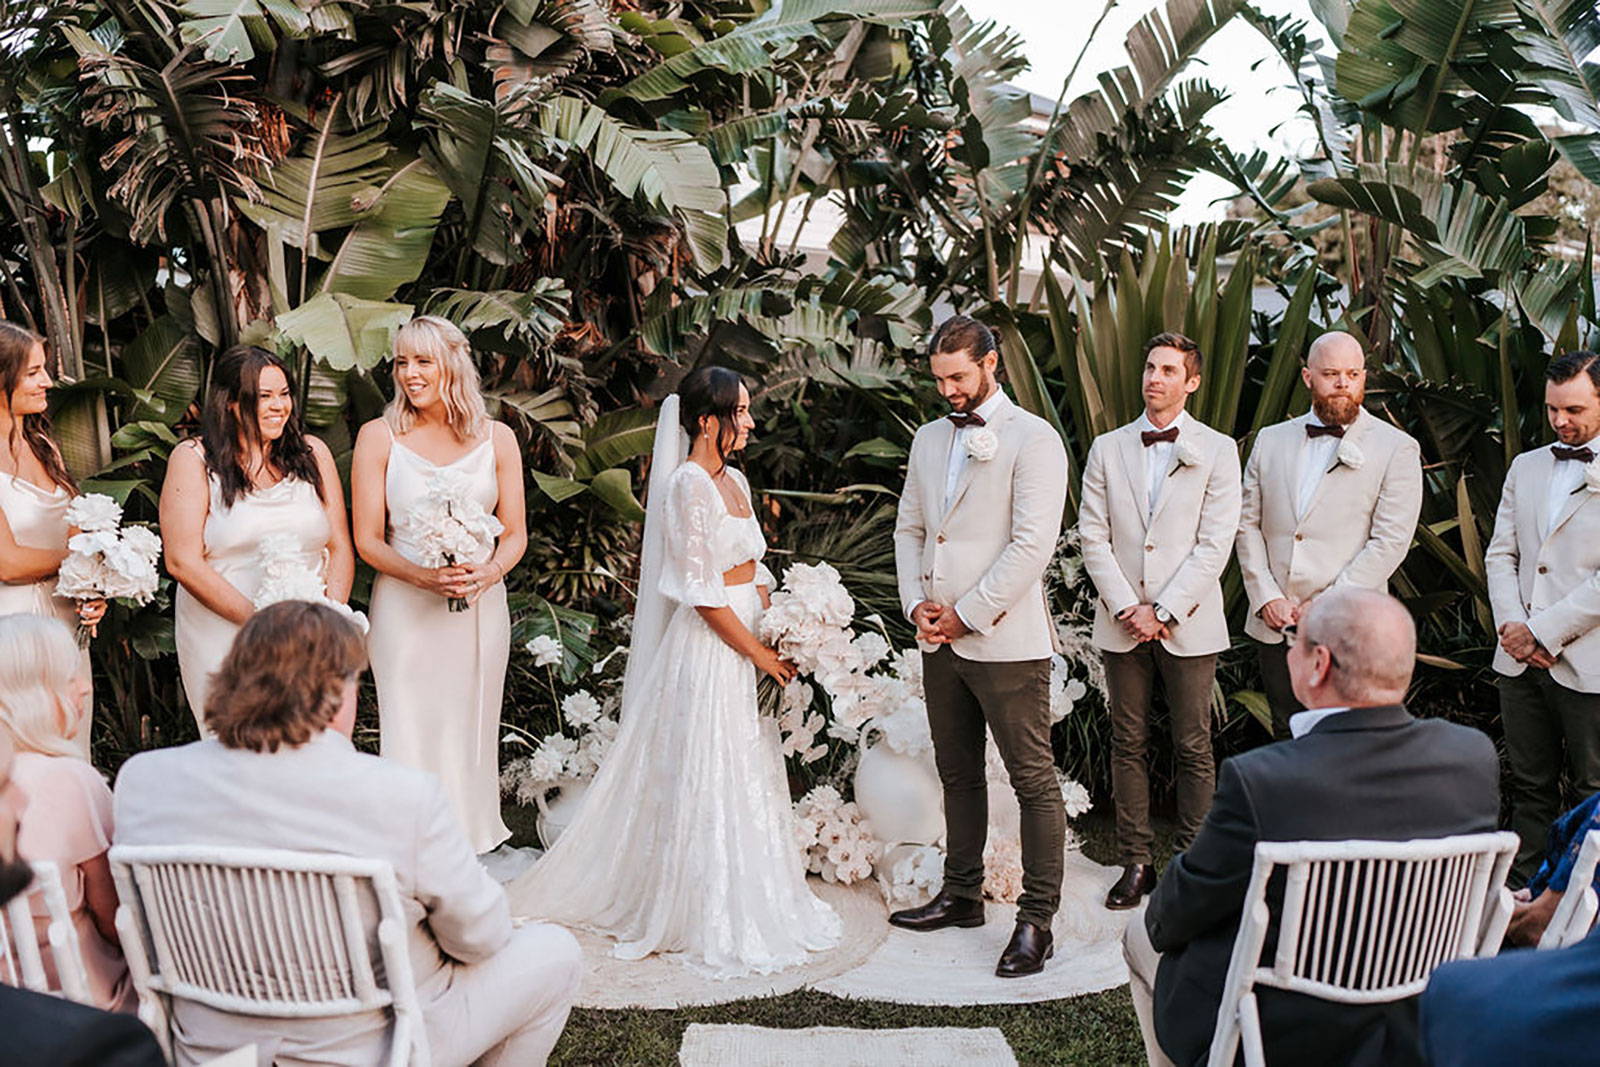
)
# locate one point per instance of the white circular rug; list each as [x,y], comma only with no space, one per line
[956,967]
[662,982]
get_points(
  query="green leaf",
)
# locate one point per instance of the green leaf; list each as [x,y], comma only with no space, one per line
[1254,702]
[557,488]
[345,331]
[163,362]
[231,28]
[388,247]
[877,448]
[615,488]
[615,438]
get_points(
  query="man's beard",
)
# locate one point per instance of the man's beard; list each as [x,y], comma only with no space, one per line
[966,405]
[14,878]
[1338,410]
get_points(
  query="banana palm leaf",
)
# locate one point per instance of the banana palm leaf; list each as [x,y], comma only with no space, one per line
[1559,39]
[162,367]
[231,29]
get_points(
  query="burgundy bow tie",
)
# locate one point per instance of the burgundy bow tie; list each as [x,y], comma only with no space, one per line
[1582,455]
[963,419]
[1150,437]
[1313,430]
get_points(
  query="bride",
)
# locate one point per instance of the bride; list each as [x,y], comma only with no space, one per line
[684,843]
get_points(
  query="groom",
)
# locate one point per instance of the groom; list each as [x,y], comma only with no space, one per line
[978,523]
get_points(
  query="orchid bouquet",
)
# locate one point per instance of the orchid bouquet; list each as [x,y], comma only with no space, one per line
[451,526]
[106,560]
[289,574]
[836,838]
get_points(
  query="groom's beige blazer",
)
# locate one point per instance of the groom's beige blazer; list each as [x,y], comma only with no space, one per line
[987,553]
[1552,582]
[1173,556]
[1356,530]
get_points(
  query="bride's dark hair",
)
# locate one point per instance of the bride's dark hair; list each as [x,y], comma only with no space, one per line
[712,391]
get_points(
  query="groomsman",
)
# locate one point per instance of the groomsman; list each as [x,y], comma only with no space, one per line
[1543,568]
[1160,510]
[1330,498]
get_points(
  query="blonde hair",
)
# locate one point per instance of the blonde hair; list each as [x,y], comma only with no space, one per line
[458,381]
[38,661]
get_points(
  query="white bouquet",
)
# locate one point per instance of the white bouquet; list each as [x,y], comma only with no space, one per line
[560,756]
[106,560]
[450,526]
[287,574]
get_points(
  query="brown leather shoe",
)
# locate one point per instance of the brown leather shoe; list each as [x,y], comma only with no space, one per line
[1137,880]
[1030,946]
[943,910]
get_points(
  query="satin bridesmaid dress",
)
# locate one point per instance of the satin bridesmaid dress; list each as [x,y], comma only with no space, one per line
[441,674]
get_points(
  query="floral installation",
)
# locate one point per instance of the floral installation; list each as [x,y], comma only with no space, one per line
[564,756]
[450,526]
[106,560]
[1188,453]
[982,444]
[1349,454]
[836,838]
[287,574]
[1591,475]
[910,874]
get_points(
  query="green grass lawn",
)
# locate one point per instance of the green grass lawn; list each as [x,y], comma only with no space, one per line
[1097,1030]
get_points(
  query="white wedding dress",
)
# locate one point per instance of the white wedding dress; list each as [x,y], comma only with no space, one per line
[685,843]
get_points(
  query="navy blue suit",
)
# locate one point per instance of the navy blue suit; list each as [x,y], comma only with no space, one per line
[1522,1007]
[44,1031]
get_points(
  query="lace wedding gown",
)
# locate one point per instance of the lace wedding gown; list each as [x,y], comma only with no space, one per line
[684,843]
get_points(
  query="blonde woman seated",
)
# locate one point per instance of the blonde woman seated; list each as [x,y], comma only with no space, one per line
[63,805]
[279,771]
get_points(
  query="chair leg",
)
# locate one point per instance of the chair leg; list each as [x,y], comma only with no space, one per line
[1250,1032]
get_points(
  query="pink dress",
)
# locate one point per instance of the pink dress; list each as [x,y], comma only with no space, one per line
[64,817]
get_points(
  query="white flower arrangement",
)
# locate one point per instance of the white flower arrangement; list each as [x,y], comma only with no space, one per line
[1591,475]
[836,838]
[1349,454]
[287,573]
[982,444]
[451,526]
[1002,868]
[911,874]
[1188,453]
[107,561]
[561,757]
[545,650]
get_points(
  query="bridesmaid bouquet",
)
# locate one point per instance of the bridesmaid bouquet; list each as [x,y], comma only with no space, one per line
[285,576]
[106,560]
[450,526]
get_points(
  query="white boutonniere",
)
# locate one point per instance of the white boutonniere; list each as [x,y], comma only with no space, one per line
[1349,455]
[1188,455]
[1591,475]
[982,444]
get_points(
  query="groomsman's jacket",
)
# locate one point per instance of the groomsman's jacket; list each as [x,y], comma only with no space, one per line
[1356,527]
[985,551]
[1543,565]
[1171,554]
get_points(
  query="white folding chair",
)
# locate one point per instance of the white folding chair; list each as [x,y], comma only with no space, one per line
[1362,922]
[1575,915]
[266,933]
[22,956]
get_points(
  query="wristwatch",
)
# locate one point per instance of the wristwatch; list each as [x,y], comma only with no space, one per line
[1163,616]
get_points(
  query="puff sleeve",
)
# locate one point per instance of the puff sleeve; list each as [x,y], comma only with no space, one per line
[689,573]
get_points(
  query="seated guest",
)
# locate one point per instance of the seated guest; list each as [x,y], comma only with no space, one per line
[46,1031]
[63,806]
[1519,1007]
[279,771]
[1537,901]
[1358,766]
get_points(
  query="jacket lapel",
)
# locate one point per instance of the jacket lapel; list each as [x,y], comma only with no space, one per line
[1289,466]
[1569,507]
[1357,436]
[1167,487]
[970,470]
[1130,448]
[1534,514]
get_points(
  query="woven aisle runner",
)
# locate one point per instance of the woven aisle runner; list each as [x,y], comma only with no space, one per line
[827,1046]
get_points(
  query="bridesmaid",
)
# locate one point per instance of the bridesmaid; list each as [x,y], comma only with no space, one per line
[252,473]
[440,674]
[35,490]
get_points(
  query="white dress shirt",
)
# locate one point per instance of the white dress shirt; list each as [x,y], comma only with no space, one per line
[958,446]
[1301,722]
[1158,458]
[1315,460]
[1564,481]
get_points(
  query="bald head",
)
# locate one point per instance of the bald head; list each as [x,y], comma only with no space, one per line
[1338,346]
[1373,641]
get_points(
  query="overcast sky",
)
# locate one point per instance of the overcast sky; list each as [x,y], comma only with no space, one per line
[1260,112]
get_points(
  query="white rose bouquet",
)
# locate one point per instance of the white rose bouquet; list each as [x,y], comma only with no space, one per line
[450,526]
[106,560]
[287,574]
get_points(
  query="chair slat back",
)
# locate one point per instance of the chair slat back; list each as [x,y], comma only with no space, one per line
[1368,921]
[23,956]
[1575,916]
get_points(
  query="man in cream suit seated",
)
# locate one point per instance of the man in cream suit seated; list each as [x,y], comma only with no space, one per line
[280,772]
[1543,568]
[1330,498]
[1160,510]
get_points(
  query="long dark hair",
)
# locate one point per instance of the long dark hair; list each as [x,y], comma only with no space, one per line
[711,391]
[230,413]
[16,342]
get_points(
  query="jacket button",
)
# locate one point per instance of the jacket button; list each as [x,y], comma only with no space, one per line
[939,539]
[1149,548]
[927,577]
[1543,569]
[1299,537]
